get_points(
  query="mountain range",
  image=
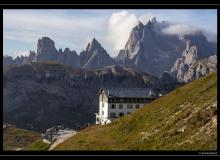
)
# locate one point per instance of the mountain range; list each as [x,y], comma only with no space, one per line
[148,49]
[53,86]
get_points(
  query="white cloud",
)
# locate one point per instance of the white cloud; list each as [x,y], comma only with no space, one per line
[180,29]
[120,25]
[211,36]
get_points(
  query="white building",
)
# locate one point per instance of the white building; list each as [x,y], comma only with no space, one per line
[117,102]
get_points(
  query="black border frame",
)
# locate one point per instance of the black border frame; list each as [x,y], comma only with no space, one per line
[211,154]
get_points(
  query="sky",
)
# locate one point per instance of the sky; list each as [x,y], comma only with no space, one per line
[75,28]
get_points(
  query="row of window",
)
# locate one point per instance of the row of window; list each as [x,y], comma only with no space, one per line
[113,115]
[128,100]
[129,106]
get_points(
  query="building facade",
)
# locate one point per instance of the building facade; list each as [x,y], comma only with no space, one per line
[117,102]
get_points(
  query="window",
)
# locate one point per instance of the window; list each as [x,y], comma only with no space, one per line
[120,106]
[121,100]
[112,115]
[113,106]
[121,114]
[129,106]
[141,100]
[102,112]
[102,104]
[137,106]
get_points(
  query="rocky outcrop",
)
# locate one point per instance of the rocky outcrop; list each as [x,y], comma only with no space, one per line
[189,68]
[201,68]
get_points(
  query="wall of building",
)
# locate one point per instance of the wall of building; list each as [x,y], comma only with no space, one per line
[124,110]
[103,109]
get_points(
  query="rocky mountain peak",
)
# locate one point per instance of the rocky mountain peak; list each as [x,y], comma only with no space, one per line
[94,44]
[151,22]
[46,45]
[95,56]
[94,41]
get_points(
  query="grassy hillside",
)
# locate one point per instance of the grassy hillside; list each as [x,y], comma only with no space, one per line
[185,119]
[38,145]
[16,138]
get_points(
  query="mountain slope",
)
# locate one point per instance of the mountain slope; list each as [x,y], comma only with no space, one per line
[185,119]
[15,138]
[37,96]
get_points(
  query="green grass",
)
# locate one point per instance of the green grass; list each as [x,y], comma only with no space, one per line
[38,145]
[157,126]
[14,138]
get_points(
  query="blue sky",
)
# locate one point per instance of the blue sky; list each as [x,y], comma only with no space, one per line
[75,28]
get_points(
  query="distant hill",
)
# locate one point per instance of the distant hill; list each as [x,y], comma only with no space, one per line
[184,119]
[16,138]
[37,96]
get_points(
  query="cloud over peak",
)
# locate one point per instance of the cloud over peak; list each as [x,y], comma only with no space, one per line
[181,29]
[119,26]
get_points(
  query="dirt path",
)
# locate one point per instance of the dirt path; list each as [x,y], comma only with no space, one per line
[61,139]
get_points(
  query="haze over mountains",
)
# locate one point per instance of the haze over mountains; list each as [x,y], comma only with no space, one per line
[149,49]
